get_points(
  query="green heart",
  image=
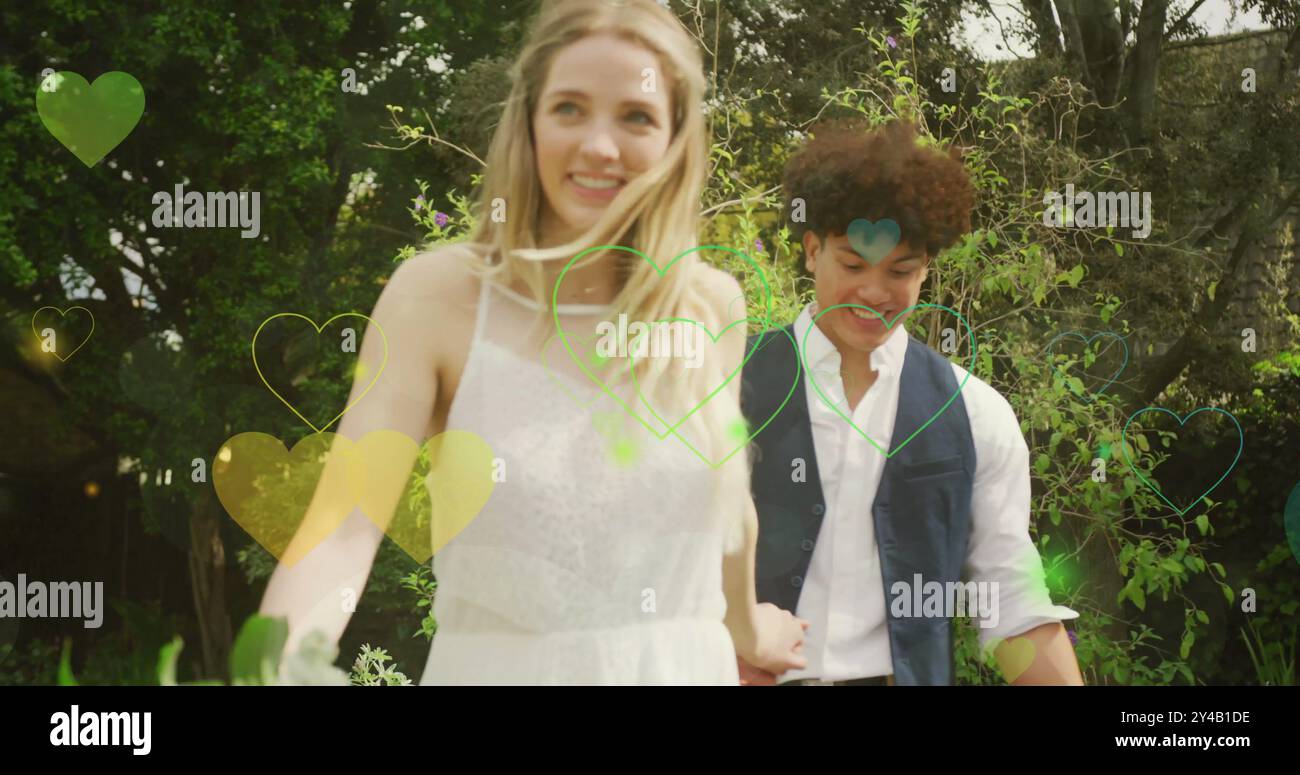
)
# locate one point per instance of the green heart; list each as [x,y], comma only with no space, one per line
[1241,443]
[555,314]
[812,376]
[748,434]
[90,120]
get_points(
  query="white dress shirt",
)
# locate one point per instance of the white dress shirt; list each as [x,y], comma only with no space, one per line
[843,596]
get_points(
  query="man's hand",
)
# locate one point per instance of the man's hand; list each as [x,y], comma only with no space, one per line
[753,676]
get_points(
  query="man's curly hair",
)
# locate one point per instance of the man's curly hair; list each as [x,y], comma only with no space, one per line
[850,171]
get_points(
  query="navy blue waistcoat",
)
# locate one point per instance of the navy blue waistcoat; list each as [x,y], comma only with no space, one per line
[922,508]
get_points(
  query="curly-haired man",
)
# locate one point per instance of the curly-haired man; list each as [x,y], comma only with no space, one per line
[878,507]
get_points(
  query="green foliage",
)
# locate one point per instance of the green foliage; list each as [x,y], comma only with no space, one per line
[1273,665]
[1018,282]
[371,669]
[421,582]
[170,378]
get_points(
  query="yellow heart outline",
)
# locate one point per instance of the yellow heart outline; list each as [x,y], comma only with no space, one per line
[320,328]
[65,314]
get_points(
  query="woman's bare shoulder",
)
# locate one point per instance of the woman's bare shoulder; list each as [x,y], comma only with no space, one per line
[441,274]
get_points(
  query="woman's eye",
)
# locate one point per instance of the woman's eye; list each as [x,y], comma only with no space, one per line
[644,118]
[566,108]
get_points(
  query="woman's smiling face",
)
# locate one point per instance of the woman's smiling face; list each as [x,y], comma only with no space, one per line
[604,116]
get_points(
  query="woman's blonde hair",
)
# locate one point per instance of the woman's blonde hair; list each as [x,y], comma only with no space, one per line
[657,213]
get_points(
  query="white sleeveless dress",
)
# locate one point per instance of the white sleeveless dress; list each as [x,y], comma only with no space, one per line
[597,560]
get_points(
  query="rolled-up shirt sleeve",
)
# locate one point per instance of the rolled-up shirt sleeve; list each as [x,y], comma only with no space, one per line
[1000,550]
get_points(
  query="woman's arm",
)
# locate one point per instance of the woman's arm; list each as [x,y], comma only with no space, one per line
[313,585]
[764,636]
[738,587]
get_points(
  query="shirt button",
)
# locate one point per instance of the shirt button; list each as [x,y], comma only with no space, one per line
[796,581]
[818,510]
[807,545]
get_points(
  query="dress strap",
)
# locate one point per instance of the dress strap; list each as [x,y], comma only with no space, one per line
[480,316]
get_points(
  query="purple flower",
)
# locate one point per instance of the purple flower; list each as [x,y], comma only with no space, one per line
[419,201]
[440,219]
[890,40]
[1074,639]
[758,244]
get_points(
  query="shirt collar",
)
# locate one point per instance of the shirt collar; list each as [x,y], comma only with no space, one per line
[821,353]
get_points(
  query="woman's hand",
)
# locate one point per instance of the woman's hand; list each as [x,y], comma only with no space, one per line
[778,641]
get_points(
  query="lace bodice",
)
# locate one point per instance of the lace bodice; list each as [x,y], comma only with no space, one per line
[598,558]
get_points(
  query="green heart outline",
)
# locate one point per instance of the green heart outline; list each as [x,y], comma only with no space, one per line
[734,374]
[803,354]
[793,386]
[555,316]
[1241,445]
[558,379]
[1092,395]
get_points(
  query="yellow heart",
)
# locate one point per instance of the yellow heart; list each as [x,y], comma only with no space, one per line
[445,488]
[318,330]
[64,313]
[269,490]
[1015,657]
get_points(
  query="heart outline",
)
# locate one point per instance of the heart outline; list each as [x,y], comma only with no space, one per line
[320,328]
[64,314]
[727,381]
[1241,445]
[1291,521]
[803,354]
[1092,395]
[555,313]
[559,379]
[794,385]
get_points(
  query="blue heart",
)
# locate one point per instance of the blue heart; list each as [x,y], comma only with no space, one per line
[1086,342]
[873,241]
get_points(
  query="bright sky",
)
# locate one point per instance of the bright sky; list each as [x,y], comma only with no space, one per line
[1216,15]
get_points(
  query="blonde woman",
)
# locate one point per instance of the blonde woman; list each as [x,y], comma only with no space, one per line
[607,554]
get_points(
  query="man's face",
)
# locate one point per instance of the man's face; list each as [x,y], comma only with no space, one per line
[843,277]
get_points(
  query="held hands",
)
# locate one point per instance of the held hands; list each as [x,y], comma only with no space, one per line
[778,646]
